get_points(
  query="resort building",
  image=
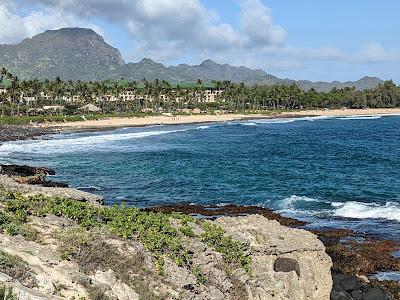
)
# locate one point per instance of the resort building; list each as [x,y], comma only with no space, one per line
[128,96]
[211,95]
[72,98]
[46,96]
[90,108]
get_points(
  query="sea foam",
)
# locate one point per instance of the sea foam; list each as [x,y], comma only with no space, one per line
[358,210]
[74,143]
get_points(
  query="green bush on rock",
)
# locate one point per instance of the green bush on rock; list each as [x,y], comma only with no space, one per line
[154,230]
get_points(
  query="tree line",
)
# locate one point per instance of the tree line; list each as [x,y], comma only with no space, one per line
[243,97]
[159,96]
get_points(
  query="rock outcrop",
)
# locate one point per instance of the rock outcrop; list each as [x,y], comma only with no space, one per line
[11,184]
[287,264]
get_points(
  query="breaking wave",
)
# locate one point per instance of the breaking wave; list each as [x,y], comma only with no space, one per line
[358,210]
[75,143]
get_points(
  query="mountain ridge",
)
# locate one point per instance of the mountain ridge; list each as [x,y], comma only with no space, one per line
[82,54]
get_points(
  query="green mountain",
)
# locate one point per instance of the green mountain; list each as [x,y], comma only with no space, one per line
[82,54]
[71,53]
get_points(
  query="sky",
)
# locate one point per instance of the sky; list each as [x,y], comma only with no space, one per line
[298,39]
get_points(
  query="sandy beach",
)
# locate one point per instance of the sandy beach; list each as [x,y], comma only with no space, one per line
[152,120]
[189,119]
[346,112]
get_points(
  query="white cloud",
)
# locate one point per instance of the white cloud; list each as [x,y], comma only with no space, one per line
[14,27]
[376,53]
[257,26]
[167,30]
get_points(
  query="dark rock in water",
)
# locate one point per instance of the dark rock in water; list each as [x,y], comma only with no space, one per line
[360,255]
[349,284]
[283,264]
[22,132]
[340,295]
[357,295]
[31,175]
[376,293]
[348,287]
[54,184]
[25,171]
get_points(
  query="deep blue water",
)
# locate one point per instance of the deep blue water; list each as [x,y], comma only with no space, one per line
[341,172]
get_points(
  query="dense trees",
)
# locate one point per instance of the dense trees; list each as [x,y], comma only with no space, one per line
[157,95]
[239,97]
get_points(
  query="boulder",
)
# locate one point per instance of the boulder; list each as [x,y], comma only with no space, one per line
[287,263]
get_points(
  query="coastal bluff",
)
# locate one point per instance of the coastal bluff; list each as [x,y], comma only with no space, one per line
[62,257]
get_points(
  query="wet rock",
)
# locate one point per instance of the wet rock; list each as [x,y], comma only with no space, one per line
[20,132]
[376,293]
[357,295]
[350,287]
[25,171]
[340,295]
[31,175]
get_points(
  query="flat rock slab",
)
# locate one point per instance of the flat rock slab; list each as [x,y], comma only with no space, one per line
[9,184]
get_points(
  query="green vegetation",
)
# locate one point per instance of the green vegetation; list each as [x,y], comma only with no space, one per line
[22,120]
[162,96]
[287,97]
[16,268]
[6,293]
[154,230]
[15,224]
[232,251]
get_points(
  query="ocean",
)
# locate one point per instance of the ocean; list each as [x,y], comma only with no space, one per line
[340,172]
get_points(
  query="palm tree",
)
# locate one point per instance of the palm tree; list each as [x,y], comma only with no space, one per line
[3,74]
[14,87]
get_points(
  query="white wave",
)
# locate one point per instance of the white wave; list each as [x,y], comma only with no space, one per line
[390,275]
[249,124]
[275,121]
[289,202]
[358,210]
[72,144]
[203,127]
[290,120]
[316,118]
[355,117]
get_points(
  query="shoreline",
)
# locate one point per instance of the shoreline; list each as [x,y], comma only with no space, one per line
[354,255]
[114,123]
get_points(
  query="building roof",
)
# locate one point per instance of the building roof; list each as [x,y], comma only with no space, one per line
[90,107]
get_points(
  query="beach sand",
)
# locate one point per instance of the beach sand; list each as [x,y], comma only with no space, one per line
[189,119]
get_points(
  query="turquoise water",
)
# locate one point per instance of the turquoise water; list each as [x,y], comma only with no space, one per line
[340,172]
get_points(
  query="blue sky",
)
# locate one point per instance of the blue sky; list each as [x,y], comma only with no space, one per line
[307,39]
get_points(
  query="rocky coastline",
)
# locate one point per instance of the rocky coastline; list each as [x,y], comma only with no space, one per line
[23,132]
[280,250]
[354,256]
[55,247]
